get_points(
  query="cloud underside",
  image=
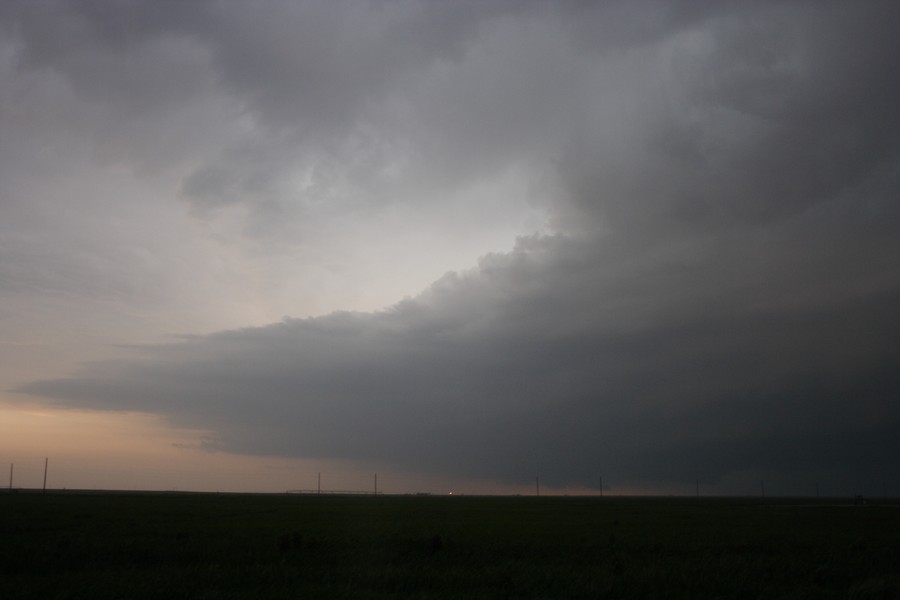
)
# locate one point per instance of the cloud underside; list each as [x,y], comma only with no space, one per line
[557,359]
[718,294]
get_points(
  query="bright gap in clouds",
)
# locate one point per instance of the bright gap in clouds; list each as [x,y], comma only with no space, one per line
[363,259]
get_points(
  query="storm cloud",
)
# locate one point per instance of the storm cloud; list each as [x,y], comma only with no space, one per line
[706,274]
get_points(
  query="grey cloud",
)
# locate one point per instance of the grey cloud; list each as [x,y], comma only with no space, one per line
[555,359]
[90,86]
[356,97]
[751,116]
[684,111]
[444,92]
[721,299]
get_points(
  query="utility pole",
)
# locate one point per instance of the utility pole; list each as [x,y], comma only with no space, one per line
[376,484]
[319,486]
[10,476]
[46,460]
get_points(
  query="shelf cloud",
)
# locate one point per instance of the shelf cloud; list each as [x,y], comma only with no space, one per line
[686,215]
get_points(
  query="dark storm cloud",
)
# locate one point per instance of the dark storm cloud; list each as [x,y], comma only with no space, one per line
[721,300]
[561,358]
[759,115]
[444,92]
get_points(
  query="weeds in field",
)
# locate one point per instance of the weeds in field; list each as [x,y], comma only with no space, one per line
[233,546]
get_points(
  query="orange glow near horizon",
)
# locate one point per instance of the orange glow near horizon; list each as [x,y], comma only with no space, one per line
[134,451]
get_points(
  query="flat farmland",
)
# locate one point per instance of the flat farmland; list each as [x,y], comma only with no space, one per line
[160,545]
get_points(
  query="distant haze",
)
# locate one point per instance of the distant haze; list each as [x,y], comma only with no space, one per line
[462,242]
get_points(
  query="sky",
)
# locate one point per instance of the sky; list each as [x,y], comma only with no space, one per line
[460,245]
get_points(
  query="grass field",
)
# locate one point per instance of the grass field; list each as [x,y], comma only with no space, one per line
[133,545]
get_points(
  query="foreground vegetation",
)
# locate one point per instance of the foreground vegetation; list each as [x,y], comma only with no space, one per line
[109,545]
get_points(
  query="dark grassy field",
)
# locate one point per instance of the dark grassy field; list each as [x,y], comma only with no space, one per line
[69,545]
